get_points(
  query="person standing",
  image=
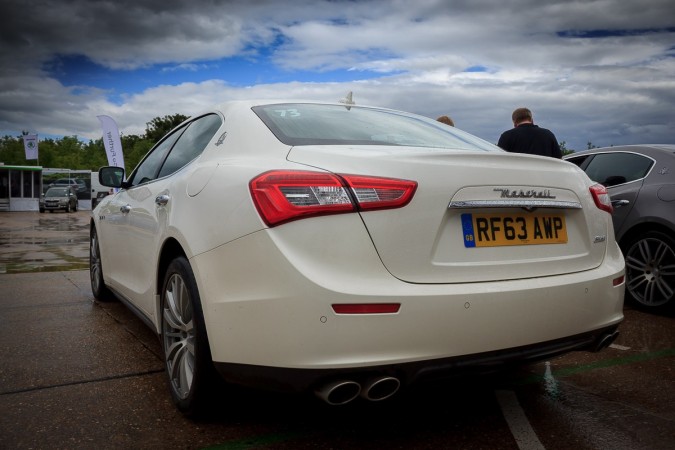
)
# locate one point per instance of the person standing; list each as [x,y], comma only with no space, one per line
[526,137]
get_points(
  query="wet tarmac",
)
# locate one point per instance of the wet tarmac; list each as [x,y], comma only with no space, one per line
[44,242]
[79,374]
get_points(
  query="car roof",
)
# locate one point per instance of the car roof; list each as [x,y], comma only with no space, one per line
[653,150]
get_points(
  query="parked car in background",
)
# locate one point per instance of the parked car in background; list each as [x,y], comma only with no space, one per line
[79,185]
[350,251]
[59,198]
[641,182]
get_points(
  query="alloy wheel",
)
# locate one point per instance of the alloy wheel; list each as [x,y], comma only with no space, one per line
[95,264]
[650,270]
[178,335]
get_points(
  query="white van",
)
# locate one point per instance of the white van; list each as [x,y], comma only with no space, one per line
[98,191]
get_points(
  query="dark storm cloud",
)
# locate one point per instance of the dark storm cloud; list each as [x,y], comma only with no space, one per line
[591,70]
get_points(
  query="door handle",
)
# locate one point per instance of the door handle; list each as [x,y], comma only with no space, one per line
[125,209]
[620,203]
[162,200]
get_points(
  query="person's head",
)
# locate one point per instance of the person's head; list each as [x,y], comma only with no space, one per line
[521,115]
[446,120]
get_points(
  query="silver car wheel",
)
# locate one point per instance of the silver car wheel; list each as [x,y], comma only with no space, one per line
[98,287]
[178,335]
[650,269]
[95,263]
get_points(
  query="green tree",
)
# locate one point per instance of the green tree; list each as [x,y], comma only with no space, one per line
[564,149]
[12,151]
[159,126]
[69,152]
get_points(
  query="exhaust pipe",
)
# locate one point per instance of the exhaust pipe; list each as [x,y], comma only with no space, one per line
[339,392]
[606,341]
[380,388]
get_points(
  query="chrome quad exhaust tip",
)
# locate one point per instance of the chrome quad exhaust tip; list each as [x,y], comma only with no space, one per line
[339,392]
[380,388]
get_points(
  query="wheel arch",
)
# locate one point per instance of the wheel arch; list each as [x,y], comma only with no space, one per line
[171,249]
[641,228]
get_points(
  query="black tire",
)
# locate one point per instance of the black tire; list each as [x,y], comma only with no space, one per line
[75,207]
[98,287]
[68,207]
[42,210]
[650,271]
[187,355]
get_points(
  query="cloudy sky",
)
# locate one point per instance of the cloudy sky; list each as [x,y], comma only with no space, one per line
[601,71]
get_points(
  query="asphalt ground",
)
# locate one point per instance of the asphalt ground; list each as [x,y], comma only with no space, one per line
[79,374]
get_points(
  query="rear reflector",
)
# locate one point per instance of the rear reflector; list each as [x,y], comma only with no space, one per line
[618,281]
[366,308]
[284,195]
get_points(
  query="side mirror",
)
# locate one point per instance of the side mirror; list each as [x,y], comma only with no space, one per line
[111,176]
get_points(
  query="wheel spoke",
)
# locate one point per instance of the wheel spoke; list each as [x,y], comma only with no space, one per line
[660,253]
[665,289]
[645,250]
[668,270]
[649,294]
[634,263]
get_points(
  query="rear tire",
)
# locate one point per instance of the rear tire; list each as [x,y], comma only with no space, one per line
[650,271]
[187,355]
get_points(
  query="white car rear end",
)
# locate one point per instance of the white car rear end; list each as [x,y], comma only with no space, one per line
[347,250]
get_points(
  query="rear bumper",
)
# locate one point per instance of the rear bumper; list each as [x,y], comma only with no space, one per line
[269,316]
[299,380]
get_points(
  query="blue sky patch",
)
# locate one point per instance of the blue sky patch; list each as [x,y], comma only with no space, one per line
[593,34]
[79,71]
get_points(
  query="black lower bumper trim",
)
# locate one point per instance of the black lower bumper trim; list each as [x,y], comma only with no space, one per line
[297,380]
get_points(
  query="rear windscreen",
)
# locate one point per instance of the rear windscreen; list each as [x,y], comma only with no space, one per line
[316,124]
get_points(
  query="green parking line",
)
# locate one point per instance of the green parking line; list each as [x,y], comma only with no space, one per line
[600,365]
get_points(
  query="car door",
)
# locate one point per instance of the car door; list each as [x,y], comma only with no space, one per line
[623,174]
[147,203]
[118,244]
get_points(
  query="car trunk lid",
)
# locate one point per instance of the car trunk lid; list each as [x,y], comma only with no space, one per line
[467,205]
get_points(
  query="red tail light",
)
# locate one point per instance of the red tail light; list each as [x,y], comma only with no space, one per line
[284,195]
[601,198]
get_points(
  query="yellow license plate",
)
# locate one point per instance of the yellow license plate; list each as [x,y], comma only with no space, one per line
[493,230]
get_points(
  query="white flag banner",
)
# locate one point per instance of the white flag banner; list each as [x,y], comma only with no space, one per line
[30,145]
[111,141]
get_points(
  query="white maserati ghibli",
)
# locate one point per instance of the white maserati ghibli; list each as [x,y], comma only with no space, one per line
[352,251]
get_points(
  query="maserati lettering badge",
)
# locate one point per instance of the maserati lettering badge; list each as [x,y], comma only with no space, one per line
[508,193]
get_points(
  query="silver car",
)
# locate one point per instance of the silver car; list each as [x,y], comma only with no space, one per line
[641,182]
[59,198]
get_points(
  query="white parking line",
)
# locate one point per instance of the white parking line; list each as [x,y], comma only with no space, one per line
[521,429]
[619,347]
